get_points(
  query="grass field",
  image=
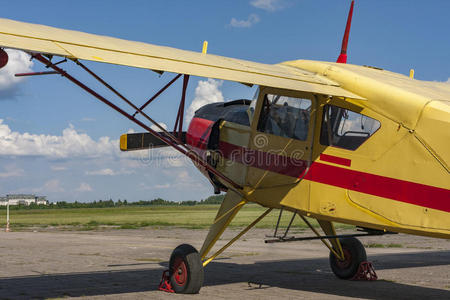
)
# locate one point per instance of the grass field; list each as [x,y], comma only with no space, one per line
[130,217]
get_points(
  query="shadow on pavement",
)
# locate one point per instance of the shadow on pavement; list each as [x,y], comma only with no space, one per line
[311,275]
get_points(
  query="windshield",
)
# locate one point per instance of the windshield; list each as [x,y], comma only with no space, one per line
[285,116]
[251,109]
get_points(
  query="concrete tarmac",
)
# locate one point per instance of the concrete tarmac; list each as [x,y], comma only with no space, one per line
[127,264]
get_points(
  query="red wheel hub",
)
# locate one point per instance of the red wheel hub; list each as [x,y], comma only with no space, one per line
[343,264]
[180,271]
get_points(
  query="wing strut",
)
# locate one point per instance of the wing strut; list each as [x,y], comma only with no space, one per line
[157,94]
[111,88]
[179,119]
[165,136]
[343,56]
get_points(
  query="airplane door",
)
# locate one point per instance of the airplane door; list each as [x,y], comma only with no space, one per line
[281,140]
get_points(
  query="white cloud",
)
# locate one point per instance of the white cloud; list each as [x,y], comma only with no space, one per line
[162,186]
[183,175]
[58,168]
[11,171]
[51,186]
[109,172]
[184,178]
[69,144]
[18,62]
[268,5]
[448,80]
[85,119]
[147,187]
[102,172]
[155,128]
[207,91]
[84,187]
[251,20]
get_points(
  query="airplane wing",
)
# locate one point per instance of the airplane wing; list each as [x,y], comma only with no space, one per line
[84,46]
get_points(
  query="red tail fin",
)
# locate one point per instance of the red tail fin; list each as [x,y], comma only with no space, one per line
[343,56]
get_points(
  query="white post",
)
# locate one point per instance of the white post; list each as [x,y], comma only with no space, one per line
[7,217]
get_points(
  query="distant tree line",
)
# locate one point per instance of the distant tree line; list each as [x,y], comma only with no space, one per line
[216,199]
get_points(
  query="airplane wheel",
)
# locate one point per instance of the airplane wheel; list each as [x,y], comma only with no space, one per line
[354,254]
[186,270]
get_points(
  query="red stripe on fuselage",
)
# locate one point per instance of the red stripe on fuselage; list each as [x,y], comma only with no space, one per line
[264,160]
[381,186]
[336,160]
[376,185]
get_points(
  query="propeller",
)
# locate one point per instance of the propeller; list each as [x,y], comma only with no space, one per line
[343,56]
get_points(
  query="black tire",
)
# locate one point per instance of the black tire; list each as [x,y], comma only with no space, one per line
[186,270]
[354,253]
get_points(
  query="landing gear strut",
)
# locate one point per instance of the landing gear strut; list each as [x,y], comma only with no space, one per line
[354,255]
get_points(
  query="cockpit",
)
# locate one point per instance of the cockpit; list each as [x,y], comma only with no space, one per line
[285,116]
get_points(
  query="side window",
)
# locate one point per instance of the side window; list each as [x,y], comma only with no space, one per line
[344,128]
[285,116]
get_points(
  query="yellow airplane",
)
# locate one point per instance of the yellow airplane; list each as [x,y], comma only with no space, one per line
[329,141]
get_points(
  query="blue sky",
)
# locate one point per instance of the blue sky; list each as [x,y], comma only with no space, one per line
[394,35]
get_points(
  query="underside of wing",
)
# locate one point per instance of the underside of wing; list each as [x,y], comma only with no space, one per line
[79,45]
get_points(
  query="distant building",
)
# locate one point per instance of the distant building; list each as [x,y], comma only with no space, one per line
[23,199]
[41,200]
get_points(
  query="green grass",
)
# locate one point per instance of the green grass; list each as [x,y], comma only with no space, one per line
[132,217]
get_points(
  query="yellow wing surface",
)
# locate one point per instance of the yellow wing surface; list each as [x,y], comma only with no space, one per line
[80,45]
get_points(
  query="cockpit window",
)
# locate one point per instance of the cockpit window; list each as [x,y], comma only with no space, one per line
[285,116]
[345,128]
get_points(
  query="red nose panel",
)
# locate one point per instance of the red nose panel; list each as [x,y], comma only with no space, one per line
[3,58]
[198,133]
